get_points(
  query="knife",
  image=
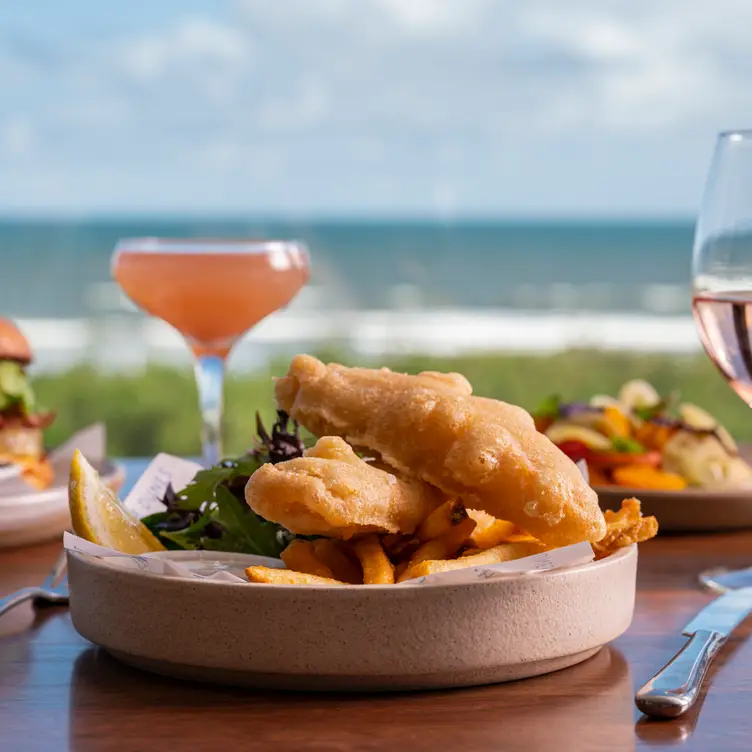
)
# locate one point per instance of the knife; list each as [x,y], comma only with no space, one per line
[722,580]
[674,689]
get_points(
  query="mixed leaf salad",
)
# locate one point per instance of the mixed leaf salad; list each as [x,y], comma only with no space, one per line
[642,440]
[210,512]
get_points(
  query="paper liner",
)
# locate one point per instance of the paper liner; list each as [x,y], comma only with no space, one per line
[149,489]
[219,567]
[145,498]
[203,565]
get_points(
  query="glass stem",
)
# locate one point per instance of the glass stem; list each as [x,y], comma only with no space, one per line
[210,372]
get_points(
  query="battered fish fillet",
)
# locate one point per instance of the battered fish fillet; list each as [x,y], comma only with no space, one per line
[430,427]
[331,491]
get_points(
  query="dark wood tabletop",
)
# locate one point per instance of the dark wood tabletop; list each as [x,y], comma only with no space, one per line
[59,692]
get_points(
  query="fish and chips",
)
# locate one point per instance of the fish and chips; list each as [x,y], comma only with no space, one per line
[431,428]
[408,476]
[413,476]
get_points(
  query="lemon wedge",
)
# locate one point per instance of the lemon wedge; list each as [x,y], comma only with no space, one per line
[99,517]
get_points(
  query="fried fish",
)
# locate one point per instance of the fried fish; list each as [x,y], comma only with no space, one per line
[333,492]
[431,428]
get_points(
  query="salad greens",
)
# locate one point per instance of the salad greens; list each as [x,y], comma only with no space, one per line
[659,409]
[210,512]
[626,444]
[15,390]
[549,408]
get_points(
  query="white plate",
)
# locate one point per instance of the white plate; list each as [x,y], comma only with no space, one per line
[692,510]
[9,471]
[31,516]
[353,637]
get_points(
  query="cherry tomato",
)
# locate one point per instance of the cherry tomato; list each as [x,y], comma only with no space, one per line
[576,450]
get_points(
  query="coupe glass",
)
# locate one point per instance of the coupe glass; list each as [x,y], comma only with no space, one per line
[212,292]
[722,262]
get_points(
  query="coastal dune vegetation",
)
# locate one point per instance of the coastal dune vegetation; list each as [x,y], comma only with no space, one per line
[156,409]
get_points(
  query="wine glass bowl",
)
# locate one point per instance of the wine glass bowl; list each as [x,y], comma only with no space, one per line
[722,262]
[212,291]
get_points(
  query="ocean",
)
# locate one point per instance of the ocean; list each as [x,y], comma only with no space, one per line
[48,268]
[387,285]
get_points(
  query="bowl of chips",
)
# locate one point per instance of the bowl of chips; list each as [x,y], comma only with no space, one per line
[423,537]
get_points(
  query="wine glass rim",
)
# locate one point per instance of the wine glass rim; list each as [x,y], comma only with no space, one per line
[155,244]
[736,134]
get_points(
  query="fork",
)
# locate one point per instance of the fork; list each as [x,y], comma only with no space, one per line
[54,589]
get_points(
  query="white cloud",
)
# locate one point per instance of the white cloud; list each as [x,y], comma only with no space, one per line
[308,105]
[460,105]
[17,136]
[193,42]
[431,17]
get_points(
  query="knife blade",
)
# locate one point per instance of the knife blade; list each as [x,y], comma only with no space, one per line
[721,580]
[724,614]
[675,688]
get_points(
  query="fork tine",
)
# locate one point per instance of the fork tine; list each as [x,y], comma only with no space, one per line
[58,570]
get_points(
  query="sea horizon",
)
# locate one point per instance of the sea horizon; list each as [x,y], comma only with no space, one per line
[405,284]
[234,217]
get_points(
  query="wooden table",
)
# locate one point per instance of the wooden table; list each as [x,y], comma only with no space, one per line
[59,692]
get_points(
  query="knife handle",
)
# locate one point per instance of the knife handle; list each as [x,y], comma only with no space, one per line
[674,689]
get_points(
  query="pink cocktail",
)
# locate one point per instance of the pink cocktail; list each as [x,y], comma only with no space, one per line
[212,292]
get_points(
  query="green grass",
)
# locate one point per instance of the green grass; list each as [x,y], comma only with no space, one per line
[157,410]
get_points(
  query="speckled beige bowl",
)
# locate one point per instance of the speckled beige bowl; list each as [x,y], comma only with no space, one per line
[356,637]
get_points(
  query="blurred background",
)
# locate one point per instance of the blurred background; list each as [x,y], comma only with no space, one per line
[506,189]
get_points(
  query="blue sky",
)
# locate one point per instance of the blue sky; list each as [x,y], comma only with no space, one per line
[369,107]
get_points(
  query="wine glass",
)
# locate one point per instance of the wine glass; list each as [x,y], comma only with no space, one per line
[722,262]
[212,292]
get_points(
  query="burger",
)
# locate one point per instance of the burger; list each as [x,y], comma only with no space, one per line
[21,424]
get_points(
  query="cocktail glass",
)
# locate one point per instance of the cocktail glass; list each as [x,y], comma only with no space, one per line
[212,292]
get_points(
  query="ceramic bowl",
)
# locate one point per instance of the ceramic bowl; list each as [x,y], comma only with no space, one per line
[354,637]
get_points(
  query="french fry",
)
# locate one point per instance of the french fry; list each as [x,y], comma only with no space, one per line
[443,547]
[400,547]
[625,527]
[441,520]
[495,555]
[521,537]
[489,531]
[377,569]
[300,556]
[271,576]
[399,570]
[342,566]
[390,541]
[38,473]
